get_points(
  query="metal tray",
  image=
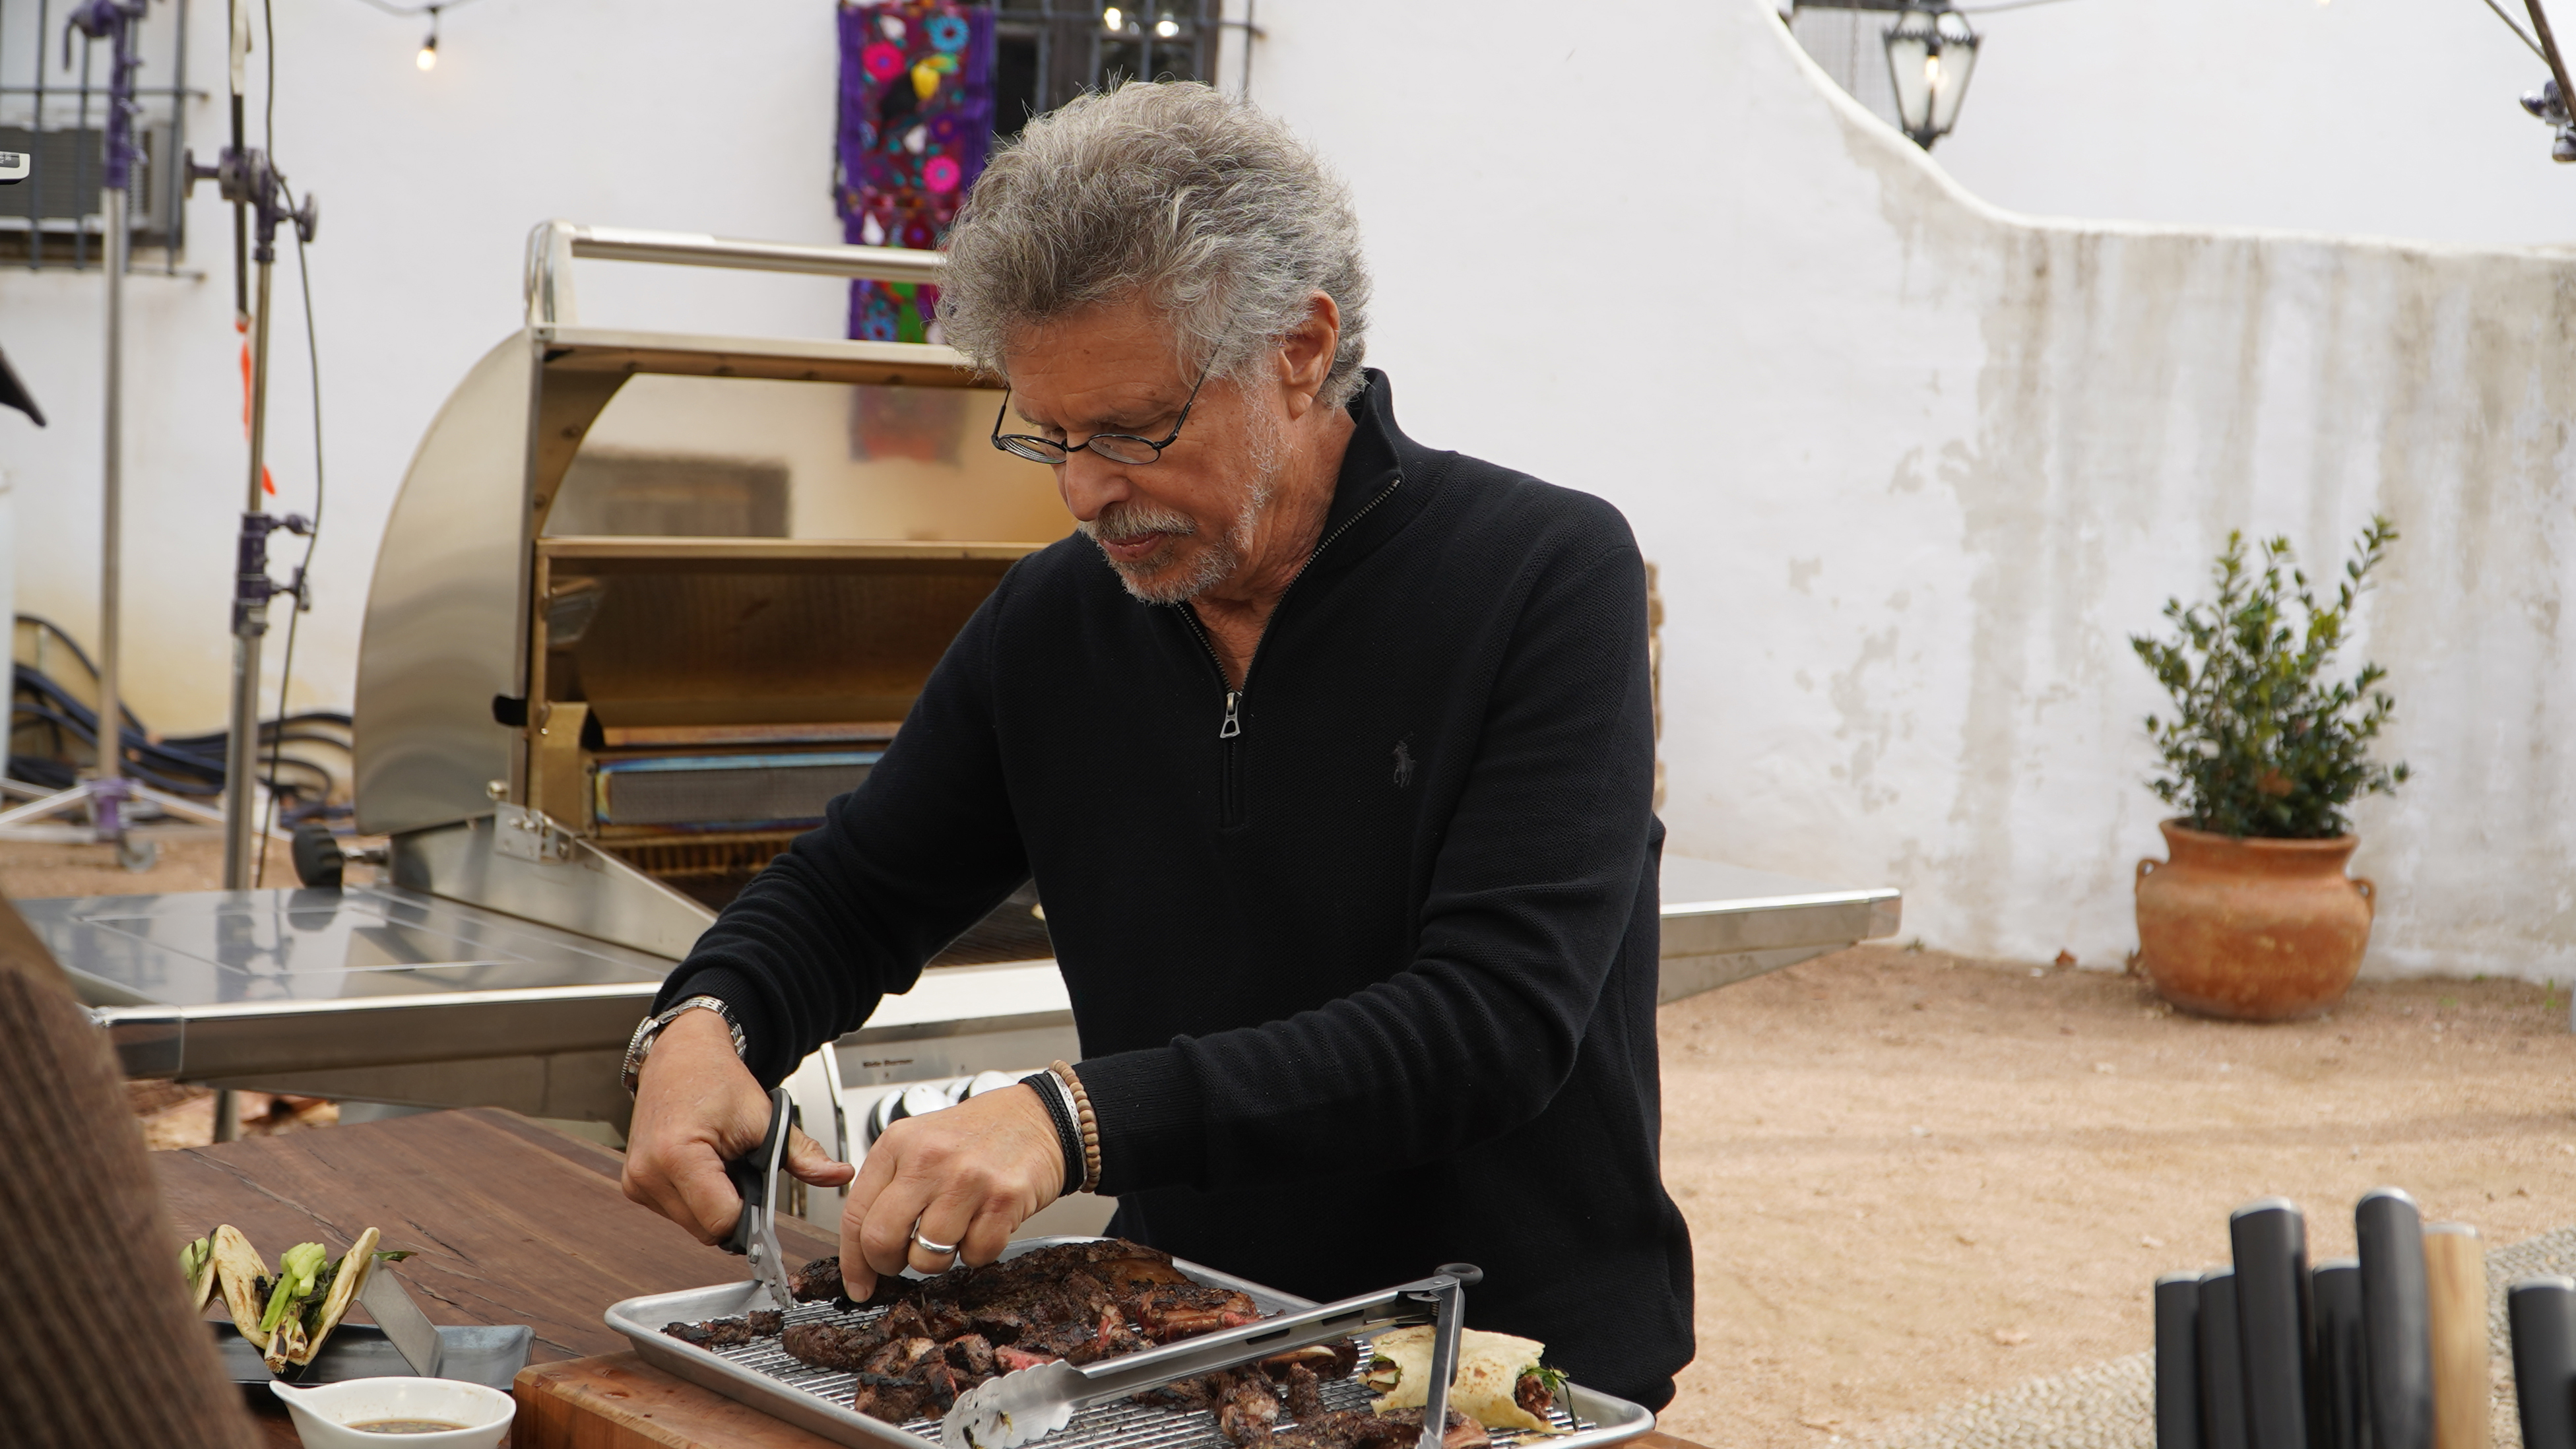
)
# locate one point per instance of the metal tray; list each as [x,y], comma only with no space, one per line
[818,1400]
[475,1354]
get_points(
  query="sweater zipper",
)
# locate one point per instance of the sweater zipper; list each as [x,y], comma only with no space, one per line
[1230,782]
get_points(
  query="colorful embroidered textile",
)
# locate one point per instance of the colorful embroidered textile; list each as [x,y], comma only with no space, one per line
[916,121]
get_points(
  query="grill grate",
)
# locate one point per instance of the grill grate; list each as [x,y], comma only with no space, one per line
[1117,1424]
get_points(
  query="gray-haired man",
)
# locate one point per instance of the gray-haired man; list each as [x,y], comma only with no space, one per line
[1335,782]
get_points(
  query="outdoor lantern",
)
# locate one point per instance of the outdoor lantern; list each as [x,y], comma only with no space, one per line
[1930,55]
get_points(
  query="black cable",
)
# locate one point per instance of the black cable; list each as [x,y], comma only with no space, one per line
[312,541]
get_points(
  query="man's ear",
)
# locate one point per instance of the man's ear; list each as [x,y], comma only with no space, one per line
[1306,354]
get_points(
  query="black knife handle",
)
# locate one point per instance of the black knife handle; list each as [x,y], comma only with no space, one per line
[750,1174]
[2222,1372]
[2343,1395]
[2270,1239]
[2396,1319]
[2543,1312]
[2178,1361]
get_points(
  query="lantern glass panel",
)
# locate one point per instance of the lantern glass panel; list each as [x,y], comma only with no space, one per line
[1958,61]
[1911,69]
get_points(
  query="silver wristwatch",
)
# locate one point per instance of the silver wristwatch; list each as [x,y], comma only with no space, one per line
[649,1030]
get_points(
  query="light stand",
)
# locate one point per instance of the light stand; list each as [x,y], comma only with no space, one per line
[105,793]
[248,179]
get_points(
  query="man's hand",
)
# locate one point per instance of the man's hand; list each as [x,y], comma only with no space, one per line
[968,1175]
[697,1108]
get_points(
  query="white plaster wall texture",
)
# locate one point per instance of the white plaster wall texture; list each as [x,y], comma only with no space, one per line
[2377,117]
[1914,468]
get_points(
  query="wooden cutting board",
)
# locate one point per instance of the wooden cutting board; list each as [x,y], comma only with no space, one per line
[617,1401]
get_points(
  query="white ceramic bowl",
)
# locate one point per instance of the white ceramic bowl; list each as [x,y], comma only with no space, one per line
[323,1414]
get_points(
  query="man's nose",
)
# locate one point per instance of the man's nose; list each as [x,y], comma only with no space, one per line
[1090,483]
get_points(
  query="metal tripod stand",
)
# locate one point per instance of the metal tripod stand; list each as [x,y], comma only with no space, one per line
[106,793]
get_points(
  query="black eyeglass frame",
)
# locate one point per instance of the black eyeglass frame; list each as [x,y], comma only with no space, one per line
[1053,453]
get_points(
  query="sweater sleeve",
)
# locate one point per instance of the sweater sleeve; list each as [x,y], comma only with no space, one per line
[900,866]
[1529,902]
[106,1345]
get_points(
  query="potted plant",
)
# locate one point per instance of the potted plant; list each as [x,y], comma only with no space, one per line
[2252,916]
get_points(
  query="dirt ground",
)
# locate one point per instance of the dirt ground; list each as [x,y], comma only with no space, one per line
[1913,1178]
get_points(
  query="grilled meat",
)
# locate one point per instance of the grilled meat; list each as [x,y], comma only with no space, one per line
[1079,1302]
[766,1322]
[1533,1394]
[827,1345]
[1247,1410]
[714,1333]
[1395,1429]
[1185,1310]
[972,1353]
[816,1282]
[1302,1391]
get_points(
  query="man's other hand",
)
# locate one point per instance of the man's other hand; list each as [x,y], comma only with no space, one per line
[969,1175]
[697,1108]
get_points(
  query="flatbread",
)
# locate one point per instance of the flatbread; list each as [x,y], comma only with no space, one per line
[1490,1366]
[238,1269]
[351,1276]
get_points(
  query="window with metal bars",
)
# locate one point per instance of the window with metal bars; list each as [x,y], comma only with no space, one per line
[55,109]
[1049,51]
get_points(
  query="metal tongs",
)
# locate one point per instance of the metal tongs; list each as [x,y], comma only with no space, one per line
[1031,1403]
[755,1176]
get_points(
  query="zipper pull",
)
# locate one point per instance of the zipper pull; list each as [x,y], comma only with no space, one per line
[1232,726]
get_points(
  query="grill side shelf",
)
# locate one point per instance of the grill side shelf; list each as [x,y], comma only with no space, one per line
[762,1375]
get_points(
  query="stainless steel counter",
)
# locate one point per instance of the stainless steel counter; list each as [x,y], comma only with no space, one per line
[383,994]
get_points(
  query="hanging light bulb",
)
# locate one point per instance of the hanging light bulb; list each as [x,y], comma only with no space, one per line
[428,57]
[1113,19]
[1167,27]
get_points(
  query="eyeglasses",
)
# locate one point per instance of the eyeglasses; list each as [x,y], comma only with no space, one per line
[1116,447]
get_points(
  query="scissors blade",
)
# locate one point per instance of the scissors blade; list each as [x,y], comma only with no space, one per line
[755,1177]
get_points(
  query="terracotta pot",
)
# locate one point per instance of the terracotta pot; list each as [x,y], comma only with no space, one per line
[2253,930]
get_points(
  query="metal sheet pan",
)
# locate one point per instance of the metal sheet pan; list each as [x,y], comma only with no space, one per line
[474,1353]
[817,1400]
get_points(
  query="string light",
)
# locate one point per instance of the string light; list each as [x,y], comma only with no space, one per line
[1113,18]
[428,57]
[1167,27]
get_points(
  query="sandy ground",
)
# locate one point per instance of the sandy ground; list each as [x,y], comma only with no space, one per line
[1913,1178]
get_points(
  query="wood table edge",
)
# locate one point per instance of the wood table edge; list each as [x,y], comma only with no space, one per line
[561,1406]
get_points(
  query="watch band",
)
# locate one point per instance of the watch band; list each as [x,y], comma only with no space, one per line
[649,1030]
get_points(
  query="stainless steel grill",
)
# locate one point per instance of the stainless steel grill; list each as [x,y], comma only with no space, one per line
[726,791]
[762,1375]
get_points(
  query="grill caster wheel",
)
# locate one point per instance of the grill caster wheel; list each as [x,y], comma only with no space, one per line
[319,861]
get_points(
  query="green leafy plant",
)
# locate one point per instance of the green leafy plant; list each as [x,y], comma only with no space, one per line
[2260,742]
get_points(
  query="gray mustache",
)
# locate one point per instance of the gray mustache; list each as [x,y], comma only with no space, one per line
[1127,522]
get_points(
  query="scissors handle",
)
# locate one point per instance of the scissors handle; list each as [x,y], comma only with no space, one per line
[755,1176]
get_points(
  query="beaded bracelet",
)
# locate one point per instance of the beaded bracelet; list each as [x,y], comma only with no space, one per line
[1090,1125]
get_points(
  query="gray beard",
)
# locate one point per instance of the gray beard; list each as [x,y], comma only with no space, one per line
[1219,561]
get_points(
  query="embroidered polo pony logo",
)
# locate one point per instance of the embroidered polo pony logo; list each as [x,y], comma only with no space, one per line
[1403,764]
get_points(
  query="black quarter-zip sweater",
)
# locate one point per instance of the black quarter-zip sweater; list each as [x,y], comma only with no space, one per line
[1363,957]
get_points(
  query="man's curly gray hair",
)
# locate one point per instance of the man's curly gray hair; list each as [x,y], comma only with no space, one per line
[1212,212]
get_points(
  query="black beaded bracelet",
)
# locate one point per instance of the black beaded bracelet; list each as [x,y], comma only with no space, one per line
[1067,1135]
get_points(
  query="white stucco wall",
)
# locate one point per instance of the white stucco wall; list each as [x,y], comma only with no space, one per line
[2368,117]
[1913,468]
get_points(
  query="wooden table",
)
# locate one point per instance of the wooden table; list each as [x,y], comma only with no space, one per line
[512,1223]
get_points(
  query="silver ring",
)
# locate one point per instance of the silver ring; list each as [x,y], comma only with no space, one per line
[939,1250]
